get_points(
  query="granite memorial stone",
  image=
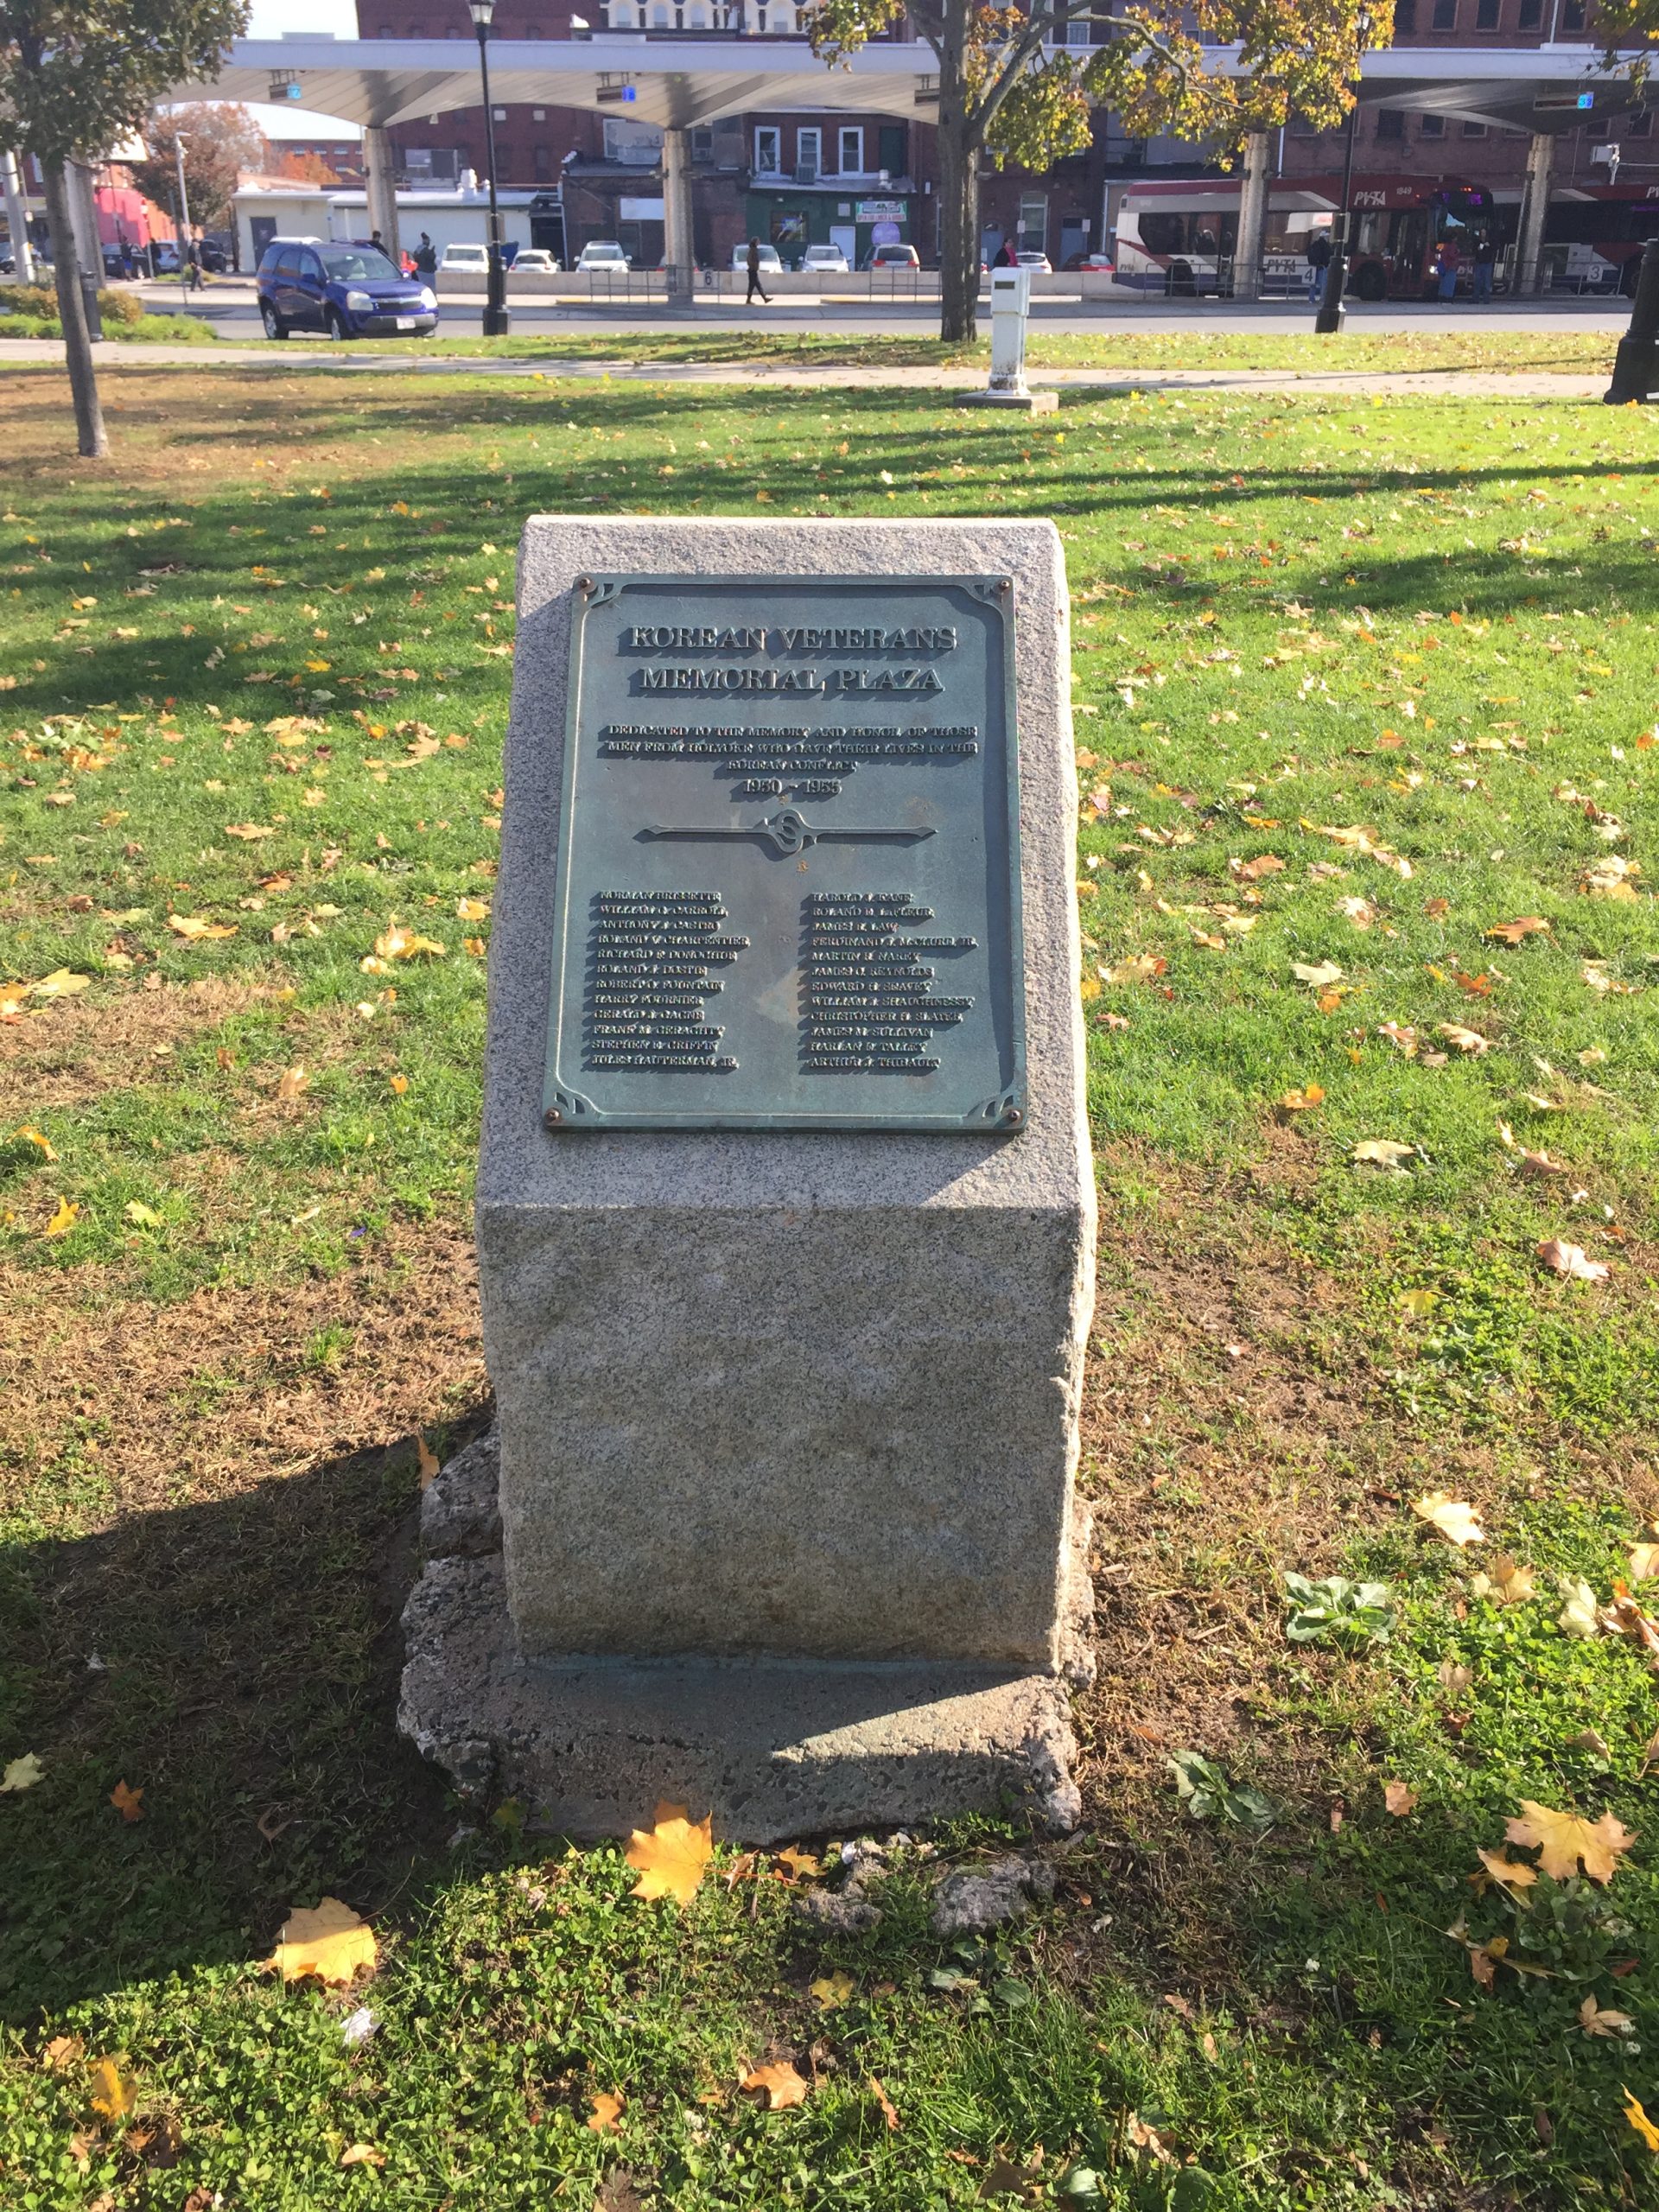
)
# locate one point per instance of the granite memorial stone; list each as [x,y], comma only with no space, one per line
[785,1210]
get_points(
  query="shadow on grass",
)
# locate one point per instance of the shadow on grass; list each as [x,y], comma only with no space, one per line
[238,1661]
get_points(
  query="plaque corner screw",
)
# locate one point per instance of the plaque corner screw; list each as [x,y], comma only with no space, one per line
[1005,584]
[584,584]
[553,1118]
[1012,1117]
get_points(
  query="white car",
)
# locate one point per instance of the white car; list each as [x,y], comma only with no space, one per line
[602,253]
[828,259]
[1037,262]
[768,259]
[538,262]
[465,257]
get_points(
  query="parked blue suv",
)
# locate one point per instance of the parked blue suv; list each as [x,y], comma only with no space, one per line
[350,291]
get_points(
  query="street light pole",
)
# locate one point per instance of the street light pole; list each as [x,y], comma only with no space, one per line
[184,208]
[496,323]
[1328,322]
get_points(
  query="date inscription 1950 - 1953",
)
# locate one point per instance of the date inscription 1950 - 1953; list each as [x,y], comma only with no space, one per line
[801,911]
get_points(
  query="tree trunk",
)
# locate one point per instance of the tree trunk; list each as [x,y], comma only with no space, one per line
[72,312]
[958,145]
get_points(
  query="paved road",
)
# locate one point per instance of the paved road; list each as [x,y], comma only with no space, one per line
[228,307]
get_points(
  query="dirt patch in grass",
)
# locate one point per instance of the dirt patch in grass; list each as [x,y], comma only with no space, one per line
[108,1403]
[81,1047]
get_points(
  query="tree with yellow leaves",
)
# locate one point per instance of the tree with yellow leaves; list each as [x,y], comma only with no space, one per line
[1013,85]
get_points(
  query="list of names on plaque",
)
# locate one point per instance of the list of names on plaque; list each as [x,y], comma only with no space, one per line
[794,920]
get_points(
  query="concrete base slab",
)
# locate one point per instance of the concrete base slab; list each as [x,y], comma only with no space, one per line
[1023,403]
[772,1748]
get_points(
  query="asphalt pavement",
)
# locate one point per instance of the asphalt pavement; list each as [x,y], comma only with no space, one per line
[228,307]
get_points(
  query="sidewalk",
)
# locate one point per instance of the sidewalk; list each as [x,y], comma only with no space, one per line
[1466,384]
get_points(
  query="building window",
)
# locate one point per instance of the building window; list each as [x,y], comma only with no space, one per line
[1431,126]
[1445,15]
[1529,16]
[1390,122]
[1033,221]
[1572,15]
[809,156]
[499,114]
[544,160]
[768,150]
[659,19]
[1405,18]
[849,154]
[1474,131]
[1639,123]
[538,115]
[702,144]
[892,141]
[1078,31]
[1486,15]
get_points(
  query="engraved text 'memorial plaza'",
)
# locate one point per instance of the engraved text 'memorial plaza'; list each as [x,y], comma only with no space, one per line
[796,905]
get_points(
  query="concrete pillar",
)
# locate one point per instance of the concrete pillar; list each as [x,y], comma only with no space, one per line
[17,219]
[678,250]
[378,163]
[1252,216]
[1528,253]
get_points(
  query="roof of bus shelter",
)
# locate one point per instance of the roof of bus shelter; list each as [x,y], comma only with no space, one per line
[680,81]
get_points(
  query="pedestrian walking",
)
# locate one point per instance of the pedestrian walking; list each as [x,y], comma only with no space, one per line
[753,265]
[426,257]
[193,276]
[1318,264]
[1446,268]
[1485,257]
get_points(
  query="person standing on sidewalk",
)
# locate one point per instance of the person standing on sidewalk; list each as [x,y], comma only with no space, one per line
[1318,264]
[1446,268]
[193,276]
[754,267]
[1486,256]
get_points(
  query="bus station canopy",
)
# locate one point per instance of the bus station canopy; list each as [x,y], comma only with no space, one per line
[676,82]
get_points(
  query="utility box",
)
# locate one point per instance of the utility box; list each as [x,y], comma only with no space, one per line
[1010,311]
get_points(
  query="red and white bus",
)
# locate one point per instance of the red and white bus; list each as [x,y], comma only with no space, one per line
[1180,237]
[1594,234]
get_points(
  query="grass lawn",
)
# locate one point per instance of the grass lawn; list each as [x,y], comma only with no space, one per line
[1460,346]
[1361,685]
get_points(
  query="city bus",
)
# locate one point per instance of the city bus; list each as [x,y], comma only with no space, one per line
[1594,234]
[1180,237]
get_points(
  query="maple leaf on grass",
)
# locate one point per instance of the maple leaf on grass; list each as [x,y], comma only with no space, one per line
[22,1773]
[114,2091]
[329,1944]
[1507,1584]
[1564,1841]
[130,1803]
[1514,932]
[1581,1615]
[362,2154]
[1382,1151]
[197,926]
[1399,1798]
[1644,1561]
[799,1863]
[605,2113]
[831,1990]
[1572,1261]
[63,1220]
[1450,1517]
[1505,1872]
[1595,2021]
[671,1856]
[779,2084]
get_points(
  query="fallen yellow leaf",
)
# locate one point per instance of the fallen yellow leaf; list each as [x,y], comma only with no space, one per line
[48,1150]
[399,943]
[1639,2120]
[399,1083]
[114,2094]
[779,2084]
[889,2112]
[473,910]
[831,1990]
[1450,1518]
[1507,1584]
[295,1083]
[1564,1841]
[330,1944]
[248,831]
[426,1460]
[362,2154]
[670,1858]
[799,1862]
[197,926]
[130,1803]
[63,1220]
[61,983]
[604,2115]
[1508,1873]
[1595,2021]
[1400,1798]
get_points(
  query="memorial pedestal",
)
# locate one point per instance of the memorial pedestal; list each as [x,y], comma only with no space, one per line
[786,1212]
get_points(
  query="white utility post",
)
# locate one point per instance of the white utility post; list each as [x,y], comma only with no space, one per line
[23,254]
[1010,310]
[678,250]
[382,190]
